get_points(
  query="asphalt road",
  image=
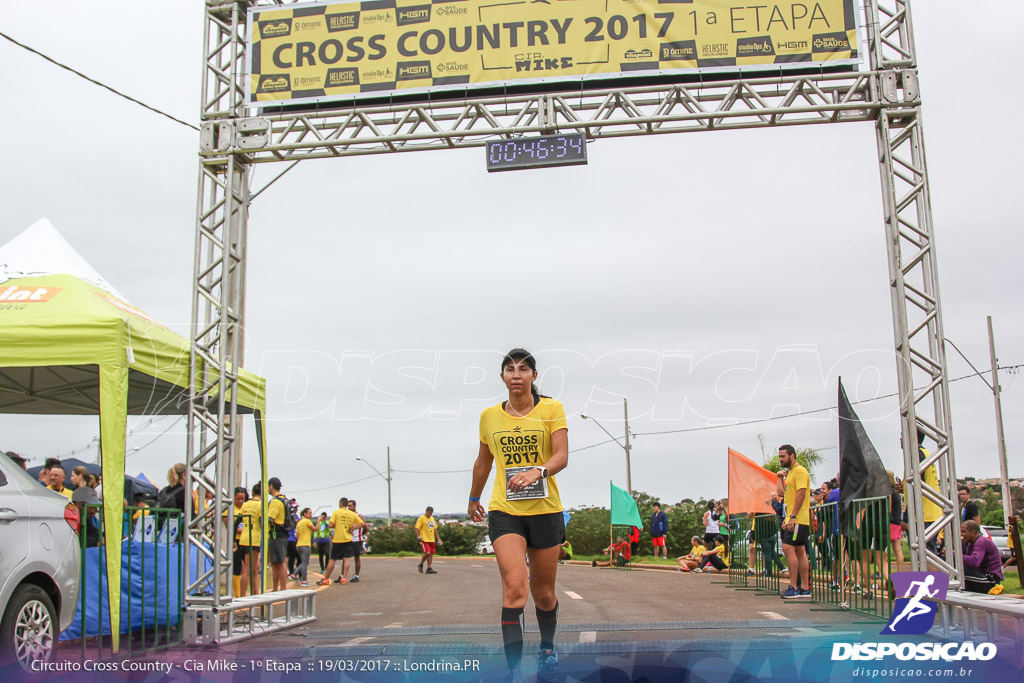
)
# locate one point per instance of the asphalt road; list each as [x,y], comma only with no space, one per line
[394,604]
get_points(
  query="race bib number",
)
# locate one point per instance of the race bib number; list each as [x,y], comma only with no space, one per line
[538,489]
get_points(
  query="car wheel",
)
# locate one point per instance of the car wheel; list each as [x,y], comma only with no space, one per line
[28,631]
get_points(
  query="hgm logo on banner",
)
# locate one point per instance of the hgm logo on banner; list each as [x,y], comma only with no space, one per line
[913,613]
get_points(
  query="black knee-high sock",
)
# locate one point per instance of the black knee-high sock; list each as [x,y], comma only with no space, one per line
[512,635]
[547,620]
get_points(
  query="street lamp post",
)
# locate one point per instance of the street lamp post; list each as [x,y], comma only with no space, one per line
[387,479]
[625,446]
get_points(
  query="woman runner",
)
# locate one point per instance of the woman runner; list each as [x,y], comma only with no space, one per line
[526,437]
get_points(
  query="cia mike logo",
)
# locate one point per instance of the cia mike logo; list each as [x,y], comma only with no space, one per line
[911,614]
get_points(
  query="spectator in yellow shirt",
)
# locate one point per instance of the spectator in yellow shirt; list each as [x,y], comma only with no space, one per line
[304,544]
[241,495]
[249,539]
[688,563]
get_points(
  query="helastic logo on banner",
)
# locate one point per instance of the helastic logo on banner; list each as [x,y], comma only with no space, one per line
[913,612]
[342,22]
[337,78]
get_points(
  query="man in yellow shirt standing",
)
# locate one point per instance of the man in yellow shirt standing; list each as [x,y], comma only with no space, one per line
[793,484]
[426,529]
[342,520]
[277,514]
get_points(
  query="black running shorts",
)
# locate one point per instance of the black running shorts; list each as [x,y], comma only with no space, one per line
[797,536]
[340,551]
[540,531]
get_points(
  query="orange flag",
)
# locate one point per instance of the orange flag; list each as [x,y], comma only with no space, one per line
[750,485]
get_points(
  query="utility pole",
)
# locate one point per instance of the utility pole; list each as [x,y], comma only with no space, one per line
[389,486]
[629,477]
[1003,477]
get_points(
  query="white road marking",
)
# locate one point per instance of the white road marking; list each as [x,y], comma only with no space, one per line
[477,565]
[574,596]
[425,611]
[774,615]
[367,614]
[588,636]
[397,624]
[358,641]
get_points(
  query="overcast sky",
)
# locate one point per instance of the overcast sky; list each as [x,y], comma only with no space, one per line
[709,278]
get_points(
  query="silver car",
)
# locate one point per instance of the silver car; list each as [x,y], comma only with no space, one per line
[1000,537]
[39,566]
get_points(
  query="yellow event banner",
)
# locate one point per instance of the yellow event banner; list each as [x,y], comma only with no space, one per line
[328,51]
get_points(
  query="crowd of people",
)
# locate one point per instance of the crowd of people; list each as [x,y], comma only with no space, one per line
[854,556]
[855,553]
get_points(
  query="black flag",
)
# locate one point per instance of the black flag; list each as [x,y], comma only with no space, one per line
[861,472]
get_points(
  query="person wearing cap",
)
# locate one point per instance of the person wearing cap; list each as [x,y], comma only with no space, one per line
[89,515]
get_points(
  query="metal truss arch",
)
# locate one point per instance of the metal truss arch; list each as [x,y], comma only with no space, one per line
[234,138]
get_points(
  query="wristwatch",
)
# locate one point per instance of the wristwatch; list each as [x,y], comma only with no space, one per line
[543,471]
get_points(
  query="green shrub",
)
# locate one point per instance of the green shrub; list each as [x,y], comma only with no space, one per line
[588,531]
[459,539]
[385,539]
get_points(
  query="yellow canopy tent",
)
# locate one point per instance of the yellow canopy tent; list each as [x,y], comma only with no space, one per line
[70,344]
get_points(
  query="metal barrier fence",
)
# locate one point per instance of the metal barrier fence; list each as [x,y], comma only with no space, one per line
[151,571]
[849,558]
[865,530]
[151,577]
[741,550]
[768,562]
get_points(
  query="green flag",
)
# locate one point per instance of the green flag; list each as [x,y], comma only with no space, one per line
[624,509]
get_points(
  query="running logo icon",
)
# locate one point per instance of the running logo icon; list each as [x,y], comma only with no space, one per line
[913,612]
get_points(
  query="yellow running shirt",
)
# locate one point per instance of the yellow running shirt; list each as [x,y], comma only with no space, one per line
[303,533]
[426,526]
[522,442]
[343,520]
[931,477]
[797,479]
[251,512]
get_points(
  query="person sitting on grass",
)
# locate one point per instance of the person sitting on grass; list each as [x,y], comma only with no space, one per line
[565,552]
[713,555]
[689,563]
[618,552]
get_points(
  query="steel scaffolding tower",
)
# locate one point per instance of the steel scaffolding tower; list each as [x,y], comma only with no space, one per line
[234,137]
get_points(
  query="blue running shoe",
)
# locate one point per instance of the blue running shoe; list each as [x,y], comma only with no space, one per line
[805,593]
[513,676]
[547,666]
[790,593]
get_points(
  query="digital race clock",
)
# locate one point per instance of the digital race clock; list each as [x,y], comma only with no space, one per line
[567,149]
